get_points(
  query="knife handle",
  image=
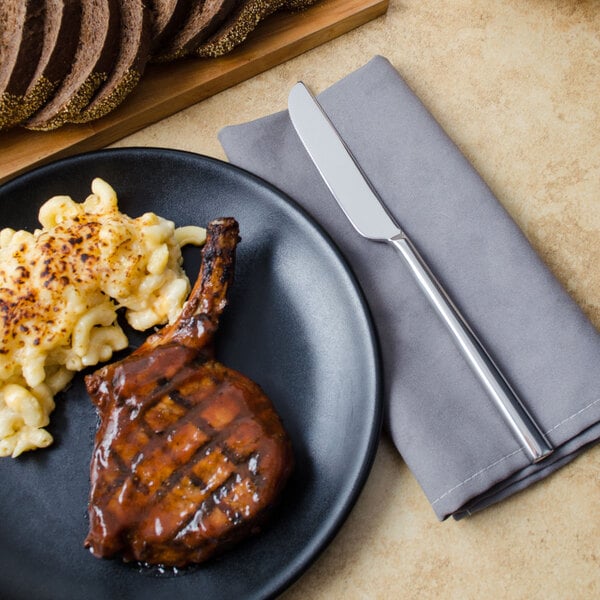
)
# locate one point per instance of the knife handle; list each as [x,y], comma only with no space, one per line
[496,385]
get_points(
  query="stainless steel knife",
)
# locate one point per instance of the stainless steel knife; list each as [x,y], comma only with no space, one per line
[367,213]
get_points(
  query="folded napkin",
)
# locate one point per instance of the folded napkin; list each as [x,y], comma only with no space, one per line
[446,428]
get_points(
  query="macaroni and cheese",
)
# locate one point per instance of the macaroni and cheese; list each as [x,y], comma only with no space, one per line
[60,289]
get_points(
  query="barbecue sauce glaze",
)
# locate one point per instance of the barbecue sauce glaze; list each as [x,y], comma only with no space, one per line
[190,456]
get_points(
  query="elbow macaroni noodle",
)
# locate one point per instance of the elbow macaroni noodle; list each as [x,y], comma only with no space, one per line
[60,289]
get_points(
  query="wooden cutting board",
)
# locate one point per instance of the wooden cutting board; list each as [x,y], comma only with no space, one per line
[166,89]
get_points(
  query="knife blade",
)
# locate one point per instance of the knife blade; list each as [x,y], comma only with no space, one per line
[359,201]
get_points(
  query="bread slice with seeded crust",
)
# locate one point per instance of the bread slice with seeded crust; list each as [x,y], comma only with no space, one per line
[168,16]
[292,5]
[247,15]
[62,25]
[242,21]
[94,59]
[134,52]
[21,35]
[204,19]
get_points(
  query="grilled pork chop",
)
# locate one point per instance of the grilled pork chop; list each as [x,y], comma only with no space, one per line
[189,455]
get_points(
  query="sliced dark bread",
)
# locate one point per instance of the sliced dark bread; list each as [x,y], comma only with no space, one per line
[94,59]
[21,37]
[134,52]
[235,30]
[204,19]
[62,25]
[168,16]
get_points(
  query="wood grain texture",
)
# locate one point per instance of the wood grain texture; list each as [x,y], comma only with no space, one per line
[168,88]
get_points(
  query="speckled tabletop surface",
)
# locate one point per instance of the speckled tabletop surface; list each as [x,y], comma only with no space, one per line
[515,84]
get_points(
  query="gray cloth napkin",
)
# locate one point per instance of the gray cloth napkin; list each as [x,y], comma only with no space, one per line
[441,420]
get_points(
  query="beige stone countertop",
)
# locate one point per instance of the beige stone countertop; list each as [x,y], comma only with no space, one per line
[516,84]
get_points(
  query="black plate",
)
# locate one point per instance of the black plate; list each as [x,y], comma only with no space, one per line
[297,324]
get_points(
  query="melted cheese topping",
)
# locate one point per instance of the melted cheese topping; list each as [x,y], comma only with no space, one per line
[60,289]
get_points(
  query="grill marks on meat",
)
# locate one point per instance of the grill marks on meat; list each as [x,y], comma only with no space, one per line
[189,455]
